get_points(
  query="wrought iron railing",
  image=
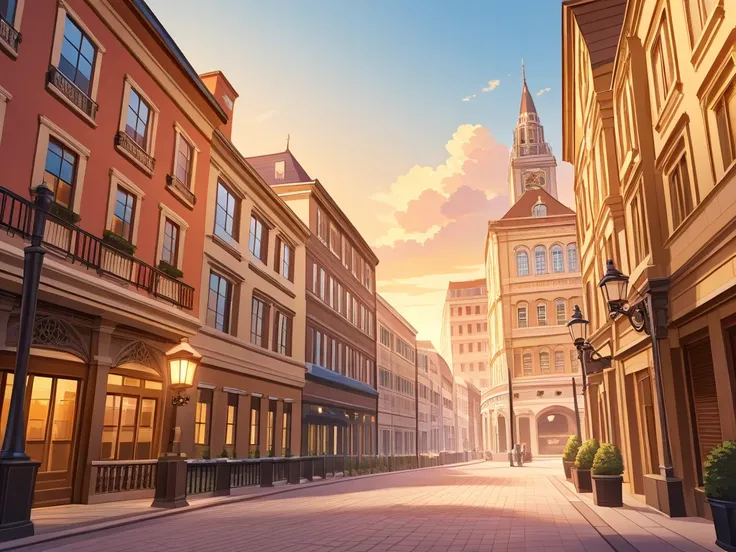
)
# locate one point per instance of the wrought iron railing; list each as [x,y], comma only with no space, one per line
[122,140]
[9,34]
[72,92]
[124,476]
[176,184]
[71,242]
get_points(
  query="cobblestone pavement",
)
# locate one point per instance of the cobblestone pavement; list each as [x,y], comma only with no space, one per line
[475,507]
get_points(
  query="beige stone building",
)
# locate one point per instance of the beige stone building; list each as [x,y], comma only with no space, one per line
[442,409]
[650,124]
[464,333]
[397,382]
[429,403]
[533,282]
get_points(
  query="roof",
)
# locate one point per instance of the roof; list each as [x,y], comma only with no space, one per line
[265,165]
[317,372]
[426,345]
[467,284]
[178,56]
[527,103]
[523,207]
[600,23]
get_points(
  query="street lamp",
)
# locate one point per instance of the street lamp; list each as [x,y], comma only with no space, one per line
[171,470]
[578,327]
[17,470]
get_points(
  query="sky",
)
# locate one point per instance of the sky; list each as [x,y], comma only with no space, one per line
[403,109]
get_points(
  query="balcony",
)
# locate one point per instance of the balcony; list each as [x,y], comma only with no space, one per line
[9,35]
[71,92]
[181,191]
[71,242]
[127,145]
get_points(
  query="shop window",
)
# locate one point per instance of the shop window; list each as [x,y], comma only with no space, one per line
[286,430]
[231,422]
[203,417]
[271,428]
[255,427]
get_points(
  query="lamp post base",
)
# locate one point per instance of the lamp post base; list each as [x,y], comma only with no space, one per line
[665,494]
[17,481]
[171,482]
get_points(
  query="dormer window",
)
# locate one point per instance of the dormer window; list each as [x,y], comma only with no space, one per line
[279,170]
[539,209]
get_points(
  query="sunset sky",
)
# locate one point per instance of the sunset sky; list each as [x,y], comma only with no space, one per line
[403,109]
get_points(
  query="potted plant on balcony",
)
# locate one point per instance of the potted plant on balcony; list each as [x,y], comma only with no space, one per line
[719,479]
[64,214]
[583,463]
[568,455]
[607,479]
[169,269]
[121,244]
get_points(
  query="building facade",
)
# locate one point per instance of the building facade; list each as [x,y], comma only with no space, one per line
[340,398]
[464,333]
[441,426]
[427,404]
[533,282]
[649,125]
[397,382]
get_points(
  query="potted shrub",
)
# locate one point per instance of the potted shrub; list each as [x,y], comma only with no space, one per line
[583,463]
[169,269]
[116,242]
[569,454]
[719,480]
[607,479]
[64,214]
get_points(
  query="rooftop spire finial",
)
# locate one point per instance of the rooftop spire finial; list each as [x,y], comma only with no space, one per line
[288,139]
[523,72]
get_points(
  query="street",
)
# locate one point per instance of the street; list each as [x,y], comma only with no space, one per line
[485,506]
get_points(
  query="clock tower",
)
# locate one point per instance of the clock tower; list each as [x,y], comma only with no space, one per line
[531,165]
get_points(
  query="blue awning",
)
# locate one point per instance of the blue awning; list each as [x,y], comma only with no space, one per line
[323,375]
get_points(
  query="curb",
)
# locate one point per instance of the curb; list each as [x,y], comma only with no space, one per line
[137,518]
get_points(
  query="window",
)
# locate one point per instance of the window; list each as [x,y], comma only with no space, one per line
[662,65]
[271,427]
[183,161]
[572,257]
[122,220]
[334,240]
[218,303]
[61,172]
[258,239]
[77,56]
[7,10]
[559,361]
[522,263]
[558,260]
[540,260]
[467,310]
[283,334]
[136,123]
[322,283]
[470,347]
[725,112]
[231,421]
[255,424]
[170,249]
[681,197]
[539,210]
[521,316]
[527,364]
[349,304]
[259,323]
[122,439]
[470,328]
[477,328]
[332,292]
[560,310]
[541,314]
[286,430]
[544,362]
[460,329]
[226,212]
[321,226]
[346,253]
[279,170]
[339,298]
[203,417]
[385,337]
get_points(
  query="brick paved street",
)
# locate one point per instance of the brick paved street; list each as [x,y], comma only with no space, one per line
[476,507]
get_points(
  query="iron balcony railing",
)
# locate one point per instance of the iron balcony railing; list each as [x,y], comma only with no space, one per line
[9,34]
[176,184]
[66,239]
[72,92]
[122,140]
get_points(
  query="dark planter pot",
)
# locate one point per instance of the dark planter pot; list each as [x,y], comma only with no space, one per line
[581,480]
[724,518]
[607,490]
[568,465]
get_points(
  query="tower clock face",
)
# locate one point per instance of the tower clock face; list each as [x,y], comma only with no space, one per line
[534,178]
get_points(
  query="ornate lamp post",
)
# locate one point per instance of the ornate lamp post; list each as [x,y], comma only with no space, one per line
[642,317]
[578,327]
[171,471]
[17,470]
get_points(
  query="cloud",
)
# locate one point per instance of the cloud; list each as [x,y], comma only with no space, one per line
[421,214]
[468,98]
[492,85]
[543,91]
[265,115]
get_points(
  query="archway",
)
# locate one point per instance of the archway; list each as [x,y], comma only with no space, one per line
[553,428]
[502,446]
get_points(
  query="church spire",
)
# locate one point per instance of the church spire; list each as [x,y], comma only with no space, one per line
[527,102]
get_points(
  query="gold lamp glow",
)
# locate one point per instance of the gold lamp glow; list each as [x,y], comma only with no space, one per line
[183,360]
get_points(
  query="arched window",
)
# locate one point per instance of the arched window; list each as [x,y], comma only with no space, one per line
[544,362]
[521,316]
[559,361]
[540,260]
[539,210]
[560,312]
[527,364]
[572,257]
[541,314]
[558,260]
[522,263]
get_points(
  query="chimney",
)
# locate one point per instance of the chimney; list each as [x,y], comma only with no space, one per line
[225,95]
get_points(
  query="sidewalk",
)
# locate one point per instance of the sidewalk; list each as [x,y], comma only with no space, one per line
[636,526]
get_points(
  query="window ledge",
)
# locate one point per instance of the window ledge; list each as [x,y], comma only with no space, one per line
[5,46]
[230,248]
[61,96]
[668,109]
[179,191]
[707,34]
[132,158]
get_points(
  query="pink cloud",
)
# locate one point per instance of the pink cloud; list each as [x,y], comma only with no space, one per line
[422,213]
[467,201]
